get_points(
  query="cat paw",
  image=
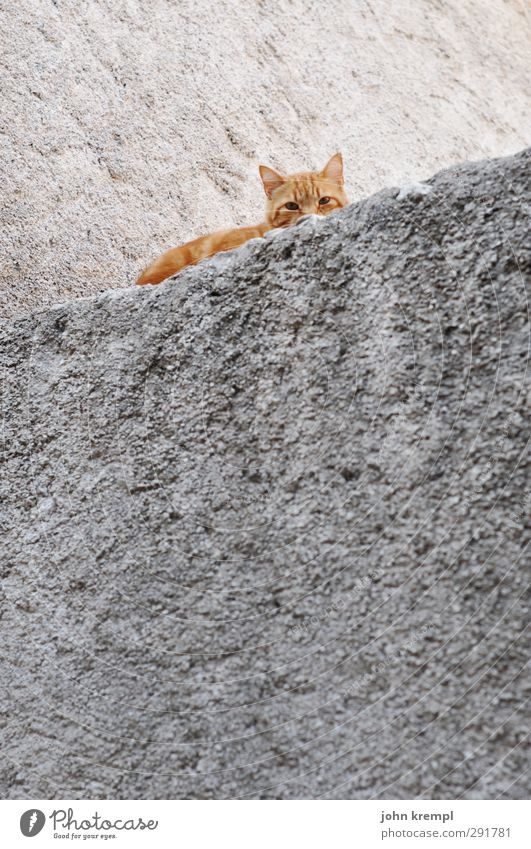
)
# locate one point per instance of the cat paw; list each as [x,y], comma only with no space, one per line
[413,191]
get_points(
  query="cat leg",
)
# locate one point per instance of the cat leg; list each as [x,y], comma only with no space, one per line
[174,260]
[166,265]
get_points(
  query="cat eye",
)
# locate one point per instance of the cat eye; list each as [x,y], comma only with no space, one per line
[291,205]
[324,201]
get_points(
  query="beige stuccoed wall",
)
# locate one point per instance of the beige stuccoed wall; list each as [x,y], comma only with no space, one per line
[131,125]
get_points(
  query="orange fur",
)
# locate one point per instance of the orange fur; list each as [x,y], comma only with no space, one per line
[306,190]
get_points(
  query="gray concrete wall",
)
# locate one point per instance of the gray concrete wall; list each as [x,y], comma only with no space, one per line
[265,526]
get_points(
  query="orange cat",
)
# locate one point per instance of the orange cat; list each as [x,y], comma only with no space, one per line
[288,199]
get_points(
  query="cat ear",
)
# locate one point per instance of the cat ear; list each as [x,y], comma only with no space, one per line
[333,169]
[271,180]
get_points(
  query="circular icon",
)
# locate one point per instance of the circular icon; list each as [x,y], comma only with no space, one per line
[31,822]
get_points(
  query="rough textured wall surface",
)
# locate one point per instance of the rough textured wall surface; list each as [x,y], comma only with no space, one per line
[129,126]
[266,524]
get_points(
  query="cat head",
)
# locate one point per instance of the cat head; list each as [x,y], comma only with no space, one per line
[291,197]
